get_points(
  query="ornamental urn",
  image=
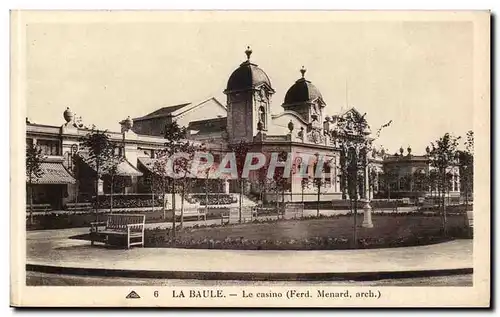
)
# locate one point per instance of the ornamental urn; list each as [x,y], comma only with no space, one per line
[68,115]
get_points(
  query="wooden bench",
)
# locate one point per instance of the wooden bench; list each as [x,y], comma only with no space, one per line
[39,207]
[293,211]
[78,206]
[116,226]
[198,213]
[247,214]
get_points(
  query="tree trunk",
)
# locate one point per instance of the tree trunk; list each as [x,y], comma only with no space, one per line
[443,207]
[241,196]
[30,193]
[152,195]
[355,229]
[164,208]
[317,202]
[173,208]
[182,202]
[111,195]
[206,196]
[97,198]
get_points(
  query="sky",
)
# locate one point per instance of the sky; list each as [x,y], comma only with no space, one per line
[417,74]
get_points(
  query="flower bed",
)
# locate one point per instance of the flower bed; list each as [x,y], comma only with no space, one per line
[214,199]
[324,233]
[129,201]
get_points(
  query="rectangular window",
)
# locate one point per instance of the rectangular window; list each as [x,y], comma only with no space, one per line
[328,178]
[48,147]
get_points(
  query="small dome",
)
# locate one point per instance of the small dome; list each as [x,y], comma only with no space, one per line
[302,91]
[247,76]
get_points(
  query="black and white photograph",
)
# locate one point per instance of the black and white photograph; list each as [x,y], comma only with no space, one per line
[250,159]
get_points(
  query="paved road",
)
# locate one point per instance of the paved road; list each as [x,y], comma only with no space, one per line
[38,279]
[52,247]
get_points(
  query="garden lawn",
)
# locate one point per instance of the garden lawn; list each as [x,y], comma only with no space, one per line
[316,233]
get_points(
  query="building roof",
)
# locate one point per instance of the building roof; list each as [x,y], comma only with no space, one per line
[208,125]
[124,168]
[53,173]
[247,76]
[163,112]
[302,91]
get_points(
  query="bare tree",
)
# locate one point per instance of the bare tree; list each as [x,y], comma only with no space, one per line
[34,159]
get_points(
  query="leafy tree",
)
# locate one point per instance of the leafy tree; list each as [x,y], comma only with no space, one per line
[305,182]
[442,157]
[182,167]
[420,181]
[174,143]
[263,182]
[389,178]
[240,151]
[159,180]
[372,181]
[34,159]
[466,165]
[112,175]
[319,181]
[279,182]
[100,156]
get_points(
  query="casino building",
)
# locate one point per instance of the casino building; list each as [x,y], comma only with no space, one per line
[303,127]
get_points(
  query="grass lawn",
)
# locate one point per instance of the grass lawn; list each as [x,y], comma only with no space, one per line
[316,233]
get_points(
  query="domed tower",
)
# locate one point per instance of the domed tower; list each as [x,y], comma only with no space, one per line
[305,99]
[249,94]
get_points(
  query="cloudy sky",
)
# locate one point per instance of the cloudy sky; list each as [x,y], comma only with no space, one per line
[418,74]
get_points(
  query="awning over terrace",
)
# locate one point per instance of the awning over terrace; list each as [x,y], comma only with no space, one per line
[53,173]
[124,168]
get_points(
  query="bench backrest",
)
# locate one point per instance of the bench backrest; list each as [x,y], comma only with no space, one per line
[120,222]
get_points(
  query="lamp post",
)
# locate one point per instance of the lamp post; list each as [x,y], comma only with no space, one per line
[126,124]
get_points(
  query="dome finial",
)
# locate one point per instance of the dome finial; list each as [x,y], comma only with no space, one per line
[303,71]
[248,52]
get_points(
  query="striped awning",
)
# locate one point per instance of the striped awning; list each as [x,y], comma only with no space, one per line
[53,173]
[125,168]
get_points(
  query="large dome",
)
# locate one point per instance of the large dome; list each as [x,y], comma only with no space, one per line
[247,76]
[302,91]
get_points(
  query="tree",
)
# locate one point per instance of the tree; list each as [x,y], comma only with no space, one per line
[305,182]
[112,173]
[174,143]
[389,178]
[318,180]
[100,154]
[240,151]
[182,166]
[442,156]
[34,159]
[421,182]
[159,180]
[466,165]
[279,181]
[372,181]
[263,182]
